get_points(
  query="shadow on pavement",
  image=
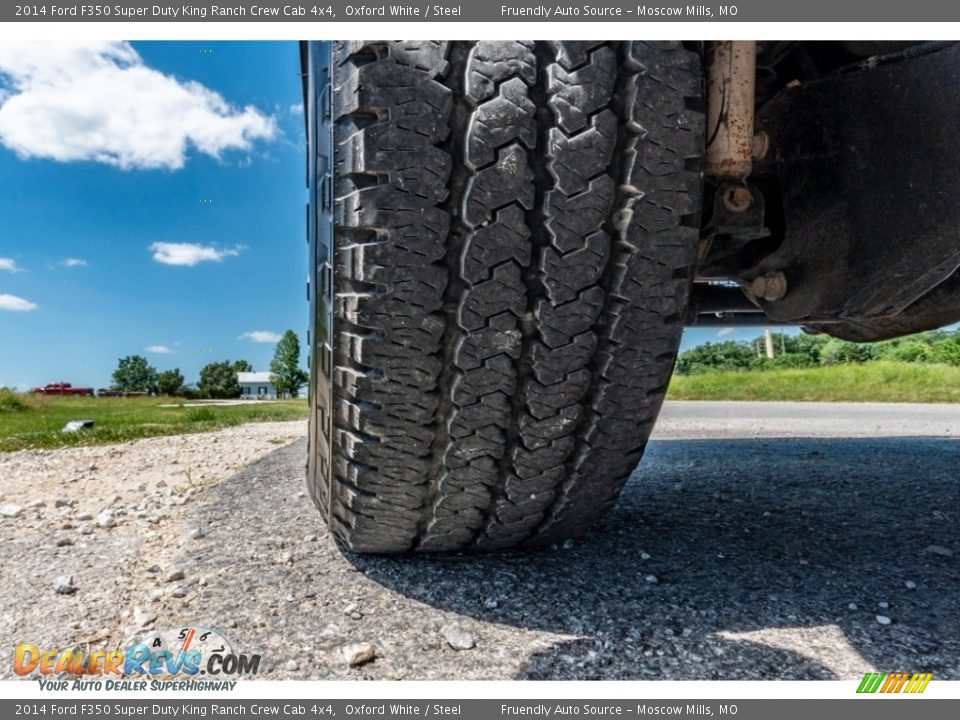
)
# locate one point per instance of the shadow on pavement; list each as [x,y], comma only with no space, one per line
[768,558]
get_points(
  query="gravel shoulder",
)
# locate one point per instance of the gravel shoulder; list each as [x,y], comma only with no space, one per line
[813,542]
[86,533]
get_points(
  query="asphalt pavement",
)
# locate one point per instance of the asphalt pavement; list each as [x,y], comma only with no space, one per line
[755,541]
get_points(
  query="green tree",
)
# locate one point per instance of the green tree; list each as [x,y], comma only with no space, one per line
[810,346]
[836,352]
[729,355]
[170,382]
[285,372]
[219,380]
[947,349]
[135,374]
[242,366]
[910,351]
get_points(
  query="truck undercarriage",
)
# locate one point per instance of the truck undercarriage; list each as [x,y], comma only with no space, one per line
[831,200]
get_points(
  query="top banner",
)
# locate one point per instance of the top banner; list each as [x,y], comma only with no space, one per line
[620,11]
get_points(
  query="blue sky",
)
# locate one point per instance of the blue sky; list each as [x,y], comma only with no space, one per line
[153,204]
[175,232]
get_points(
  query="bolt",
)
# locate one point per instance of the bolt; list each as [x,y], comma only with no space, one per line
[761,145]
[737,198]
[769,287]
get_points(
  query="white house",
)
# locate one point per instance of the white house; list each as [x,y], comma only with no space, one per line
[256,386]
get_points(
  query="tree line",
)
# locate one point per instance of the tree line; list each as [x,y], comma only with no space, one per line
[217,379]
[802,350]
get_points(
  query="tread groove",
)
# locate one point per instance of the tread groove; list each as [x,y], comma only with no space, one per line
[536,220]
[459,54]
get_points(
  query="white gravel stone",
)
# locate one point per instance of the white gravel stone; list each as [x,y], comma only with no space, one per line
[10,510]
[63,585]
[884,620]
[143,617]
[357,654]
[939,550]
[173,575]
[291,665]
[106,520]
[910,585]
[457,637]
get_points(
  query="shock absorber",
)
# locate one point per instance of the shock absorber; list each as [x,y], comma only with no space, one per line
[731,89]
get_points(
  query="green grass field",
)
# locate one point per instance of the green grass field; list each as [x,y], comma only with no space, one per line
[868,382]
[27,421]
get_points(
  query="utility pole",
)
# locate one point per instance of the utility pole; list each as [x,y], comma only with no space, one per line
[768,339]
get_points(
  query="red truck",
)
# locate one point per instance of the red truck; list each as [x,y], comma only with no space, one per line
[63,388]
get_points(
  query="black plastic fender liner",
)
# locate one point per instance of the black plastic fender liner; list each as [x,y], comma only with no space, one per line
[868,180]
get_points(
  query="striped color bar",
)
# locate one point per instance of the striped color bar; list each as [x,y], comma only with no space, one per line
[870,683]
[894,682]
[918,683]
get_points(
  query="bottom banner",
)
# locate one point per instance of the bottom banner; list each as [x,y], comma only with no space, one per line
[872,707]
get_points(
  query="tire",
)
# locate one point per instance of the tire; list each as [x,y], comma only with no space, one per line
[515,227]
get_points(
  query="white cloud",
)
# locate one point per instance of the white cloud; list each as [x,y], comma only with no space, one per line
[15,304]
[296,109]
[724,332]
[10,265]
[98,101]
[73,262]
[261,336]
[159,349]
[190,254]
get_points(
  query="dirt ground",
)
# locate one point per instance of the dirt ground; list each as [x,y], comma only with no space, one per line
[92,535]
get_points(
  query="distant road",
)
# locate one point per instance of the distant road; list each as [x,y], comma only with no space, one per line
[711,419]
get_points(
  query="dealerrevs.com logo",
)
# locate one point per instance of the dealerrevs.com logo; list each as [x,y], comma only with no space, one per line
[152,661]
